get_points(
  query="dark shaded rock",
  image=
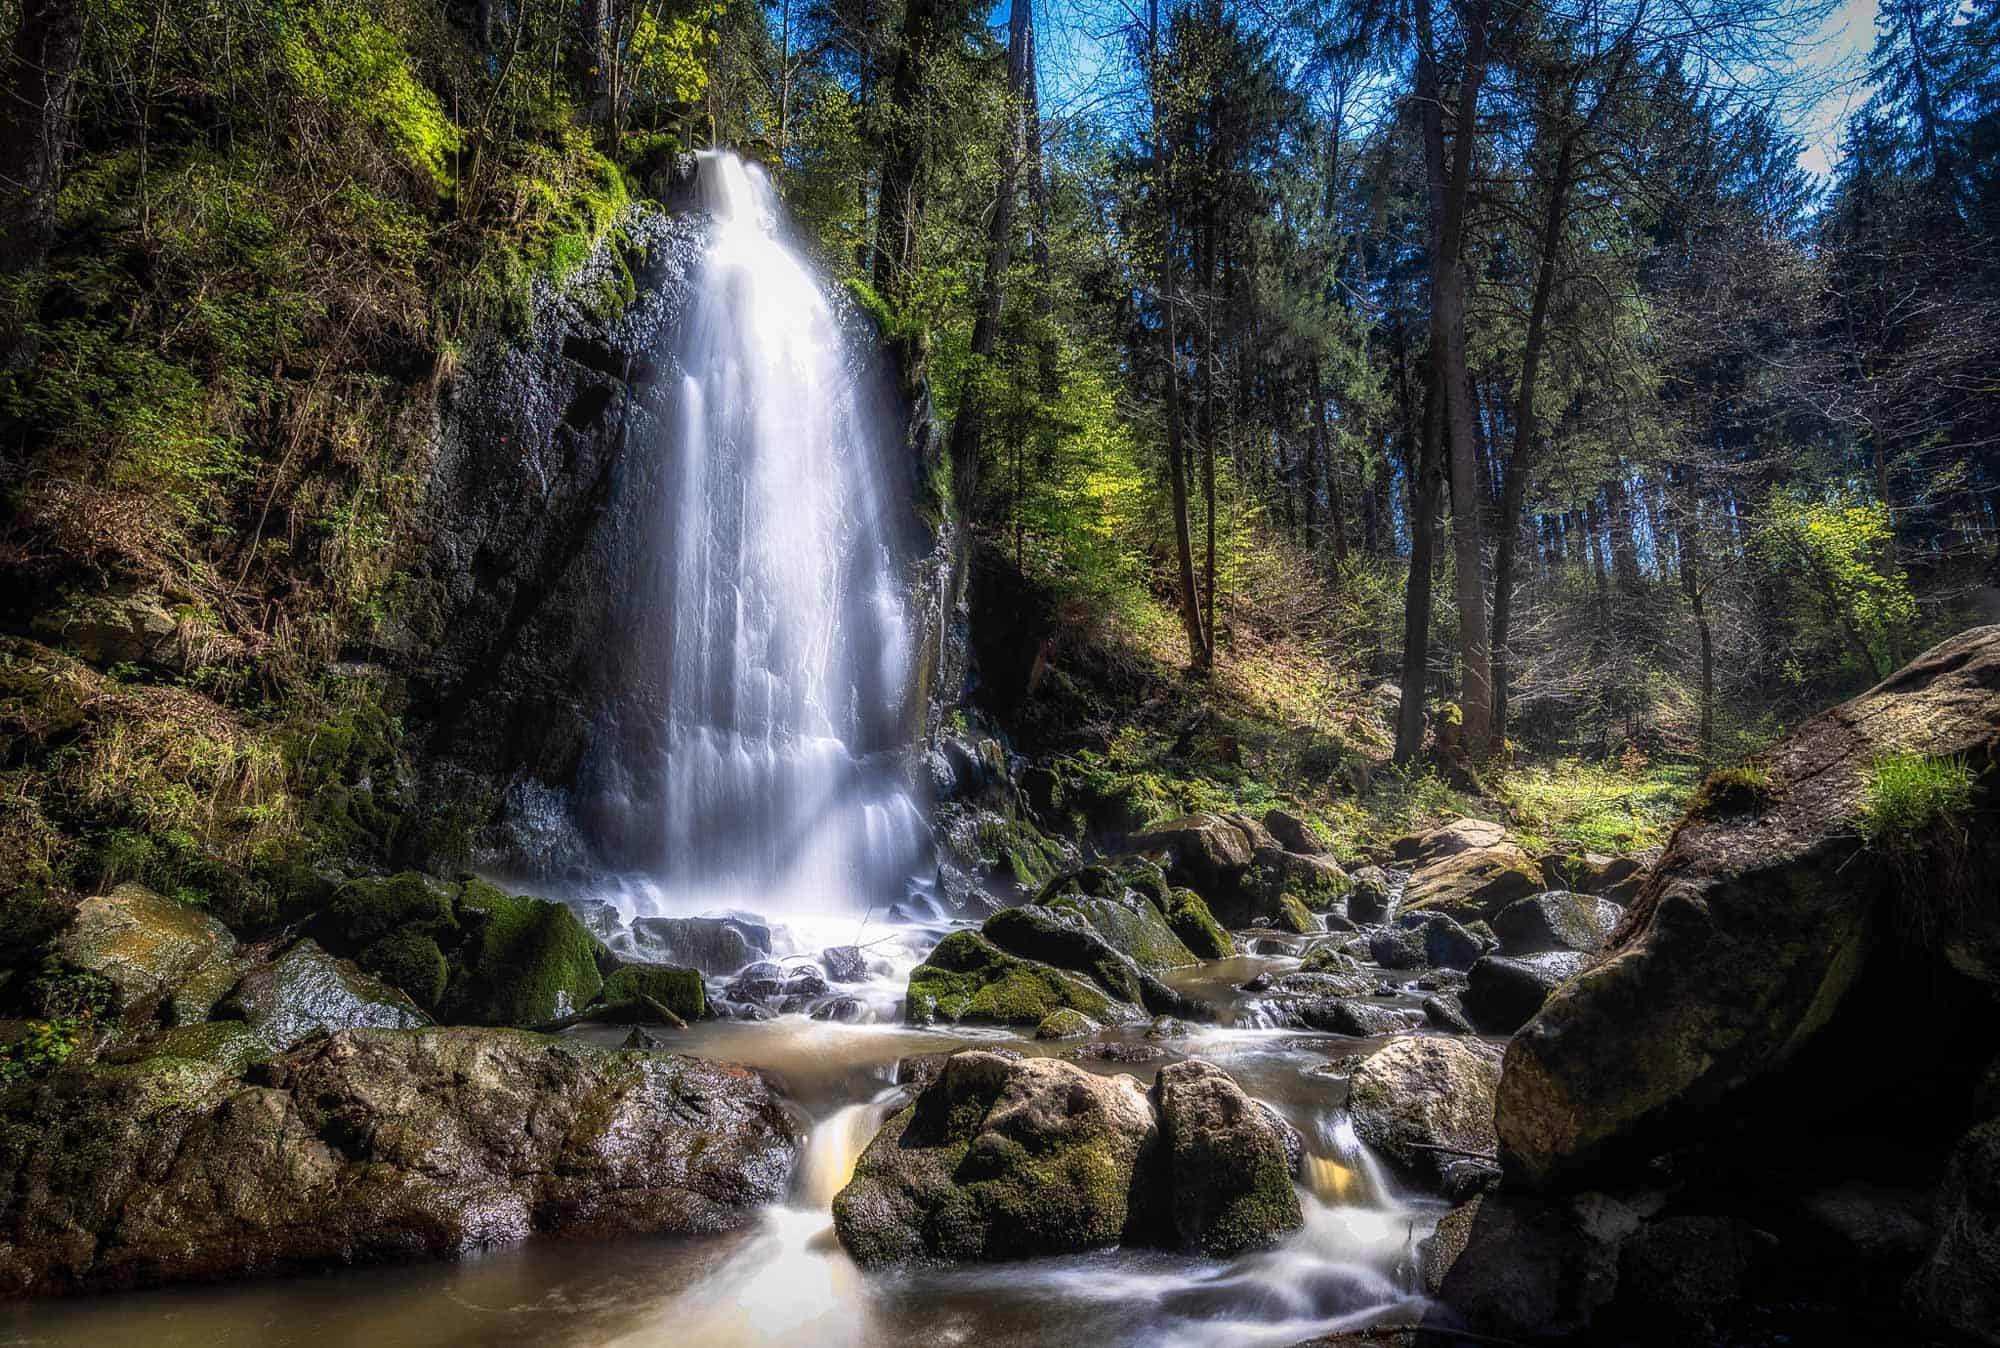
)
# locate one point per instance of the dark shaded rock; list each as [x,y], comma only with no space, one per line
[714,945]
[370,1146]
[1752,931]
[1558,920]
[1504,992]
[842,1010]
[1295,834]
[1448,945]
[1527,1269]
[1111,1050]
[1679,1276]
[306,991]
[1444,1013]
[1959,1283]
[1416,1095]
[759,982]
[844,963]
[1067,938]
[1397,948]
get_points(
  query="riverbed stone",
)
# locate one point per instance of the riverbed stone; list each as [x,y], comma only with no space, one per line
[1295,834]
[1468,870]
[679,990]
[1065,937]
[1503,992]
[1369,890]
[1557,920]
[369,1146]
[714,945]
[306,991]
[523,961]
[1419,1094]
[1959,1282]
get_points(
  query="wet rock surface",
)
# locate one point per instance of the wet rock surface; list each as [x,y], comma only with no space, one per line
[170,1164]
[306,991]
[1424,1102]
[145,946]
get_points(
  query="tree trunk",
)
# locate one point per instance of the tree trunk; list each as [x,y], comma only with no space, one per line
[970,426]
[1519,460]
[1208,433]
[38,96]
[1451,198]
[900,196]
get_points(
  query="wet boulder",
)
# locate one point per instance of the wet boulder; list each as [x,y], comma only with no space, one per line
[968,978]
[1447,945]
[1397,948]
[1757,924]
[1130,903]
[1066,938]
[1275,876]
[370,1146]
[1350,1016]
[1422,1102]
[1205,852]
[1558,920]
[306,991]
[522,961]
[1503,992]
[146,946]
[714,945]
[1006,1158]
[844,964]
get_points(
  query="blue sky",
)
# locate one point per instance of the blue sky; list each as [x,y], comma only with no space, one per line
[1083,68]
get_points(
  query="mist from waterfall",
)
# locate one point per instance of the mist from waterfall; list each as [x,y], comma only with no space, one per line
[777,778]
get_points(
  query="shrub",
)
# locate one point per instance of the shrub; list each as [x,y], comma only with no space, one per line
[1907,793]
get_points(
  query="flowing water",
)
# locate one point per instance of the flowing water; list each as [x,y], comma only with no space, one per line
[773,796]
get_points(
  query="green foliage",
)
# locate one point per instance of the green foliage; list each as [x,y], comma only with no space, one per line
[1834,551]
[342,54]
[1612,808]
[1908,794]
[44,1045]
[1745,788]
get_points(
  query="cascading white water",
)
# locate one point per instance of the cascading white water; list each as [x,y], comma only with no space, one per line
[788,658]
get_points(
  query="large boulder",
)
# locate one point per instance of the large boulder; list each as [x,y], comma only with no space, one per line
[165,1164]
[1754,928]
[1275,874]
[524,961]
[1423,1101]
[1469,870]
[1503,992]
[1001,1157]
[1205,852]
[1959,1283]
[145,946]
[1558,920]
[1295,834]
[714,945]
[1099,890]
[1370,889]
[306,991]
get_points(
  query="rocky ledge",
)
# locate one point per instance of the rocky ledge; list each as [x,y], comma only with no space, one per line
[192,1157]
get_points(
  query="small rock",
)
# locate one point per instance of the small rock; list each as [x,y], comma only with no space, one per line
[1368,894]
[1063,1023]
[1504,992]
[1397,948]
[1444,1013]
[1109,1050]
[844,963]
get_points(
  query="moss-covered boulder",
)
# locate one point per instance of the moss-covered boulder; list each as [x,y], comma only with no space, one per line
[968,978]
[1191,920]
[1066,938]
[1421,1102]
[307,991]
[523,961]
[679,990]
[1318,882]
[1063,1023]
[1125,909]
[370,1146]
[1295,834]
[1959,1283]
[1754,928]
[1008,1158]
[1226,1161]
[145,946]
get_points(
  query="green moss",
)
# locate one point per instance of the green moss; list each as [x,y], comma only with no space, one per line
[1294,915]
[1014,847]
[679,990]
[524,961]
[1189,916]
[1063,1023]
[1907,794]
[362,912]
[968,978]
[1744,789]
[410,961]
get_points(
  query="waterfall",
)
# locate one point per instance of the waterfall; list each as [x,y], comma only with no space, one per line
[780,779]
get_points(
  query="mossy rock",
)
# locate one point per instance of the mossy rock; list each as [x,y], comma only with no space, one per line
[679,990]
[1293,915]
[1013,847]
[1064,1023]
[363,911]
[1131,925]
[524,961]
[968,978]
[145,946]
[1188,914]
[409,960]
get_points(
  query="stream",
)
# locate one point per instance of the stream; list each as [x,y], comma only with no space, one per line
[784,1280]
